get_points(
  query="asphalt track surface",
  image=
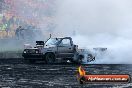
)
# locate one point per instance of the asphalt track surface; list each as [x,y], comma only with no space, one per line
[15,73]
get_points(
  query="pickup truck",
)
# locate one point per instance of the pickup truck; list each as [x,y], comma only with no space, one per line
[54,48]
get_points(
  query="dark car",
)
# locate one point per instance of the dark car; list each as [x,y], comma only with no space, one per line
[55,48]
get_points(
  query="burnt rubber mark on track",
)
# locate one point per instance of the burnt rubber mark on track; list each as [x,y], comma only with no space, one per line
[15,73]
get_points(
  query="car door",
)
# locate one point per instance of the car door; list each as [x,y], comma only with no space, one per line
[65,48]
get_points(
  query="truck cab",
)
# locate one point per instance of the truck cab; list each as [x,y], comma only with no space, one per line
[62,47]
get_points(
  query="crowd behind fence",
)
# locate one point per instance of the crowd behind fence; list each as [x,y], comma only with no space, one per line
[10,21]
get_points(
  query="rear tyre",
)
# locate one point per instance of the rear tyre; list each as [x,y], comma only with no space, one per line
[50,58]
[79,59]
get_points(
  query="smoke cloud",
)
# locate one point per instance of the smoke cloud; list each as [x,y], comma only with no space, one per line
[98,23]
[91,23]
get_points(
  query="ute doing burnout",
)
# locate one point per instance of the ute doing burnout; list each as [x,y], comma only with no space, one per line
[55,48]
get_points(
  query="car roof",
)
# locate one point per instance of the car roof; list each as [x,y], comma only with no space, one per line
[61,37]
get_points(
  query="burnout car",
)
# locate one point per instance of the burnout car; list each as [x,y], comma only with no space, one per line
[54,48]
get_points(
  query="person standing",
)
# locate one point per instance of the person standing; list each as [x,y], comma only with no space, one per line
[17,32]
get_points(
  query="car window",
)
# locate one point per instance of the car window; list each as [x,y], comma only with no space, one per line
[65,42]
[53,41]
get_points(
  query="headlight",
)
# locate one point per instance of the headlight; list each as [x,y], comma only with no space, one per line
[36,52]
[24,52]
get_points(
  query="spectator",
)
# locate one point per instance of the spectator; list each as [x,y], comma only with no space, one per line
[11,21]
[4,20]
[19,33]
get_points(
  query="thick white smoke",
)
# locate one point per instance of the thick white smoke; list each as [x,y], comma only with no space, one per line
[92,23]
[98,23]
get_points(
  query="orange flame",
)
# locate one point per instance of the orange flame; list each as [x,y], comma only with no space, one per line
[81,71]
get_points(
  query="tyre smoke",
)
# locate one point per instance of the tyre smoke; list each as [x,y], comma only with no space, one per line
[98,23]
[91,23]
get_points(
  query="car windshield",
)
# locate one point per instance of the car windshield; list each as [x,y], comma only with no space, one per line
[52,41]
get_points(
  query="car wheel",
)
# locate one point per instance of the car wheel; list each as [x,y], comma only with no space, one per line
[49,58]
[80,57]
